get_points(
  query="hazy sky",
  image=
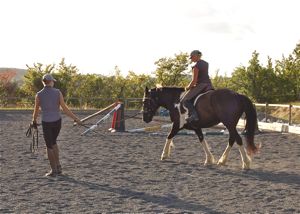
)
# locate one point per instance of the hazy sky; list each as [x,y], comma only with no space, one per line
[97,35]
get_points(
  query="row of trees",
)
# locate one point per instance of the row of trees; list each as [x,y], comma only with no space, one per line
[270,83]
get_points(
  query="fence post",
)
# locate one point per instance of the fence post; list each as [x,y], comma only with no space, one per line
[290,114]
[266,112]
[80,103]
[125,103]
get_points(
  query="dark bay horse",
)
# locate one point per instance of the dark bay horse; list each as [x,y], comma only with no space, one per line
[213,107]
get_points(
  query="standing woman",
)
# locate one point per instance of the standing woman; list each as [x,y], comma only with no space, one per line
[50,99]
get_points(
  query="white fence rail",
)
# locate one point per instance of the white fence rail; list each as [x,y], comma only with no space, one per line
[267,108]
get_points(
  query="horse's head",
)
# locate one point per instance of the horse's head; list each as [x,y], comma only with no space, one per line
[150,104]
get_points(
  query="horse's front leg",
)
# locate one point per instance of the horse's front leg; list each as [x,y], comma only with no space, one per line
[209,158]
[167,149]
[169,143]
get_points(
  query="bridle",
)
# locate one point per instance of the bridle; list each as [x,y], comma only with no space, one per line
[149,105]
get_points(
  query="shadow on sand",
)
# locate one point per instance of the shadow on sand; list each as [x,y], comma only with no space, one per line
[169,201]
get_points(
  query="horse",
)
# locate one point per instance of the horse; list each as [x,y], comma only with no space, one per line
[213,107]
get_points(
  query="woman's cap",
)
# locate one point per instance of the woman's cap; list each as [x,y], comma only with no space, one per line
[49,77]
[195,52]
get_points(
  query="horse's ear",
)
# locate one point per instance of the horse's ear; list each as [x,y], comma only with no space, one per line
[146,90]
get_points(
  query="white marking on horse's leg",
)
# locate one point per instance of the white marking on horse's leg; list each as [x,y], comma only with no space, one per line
[167,151]
[209,156]
[246,160]
[224,157]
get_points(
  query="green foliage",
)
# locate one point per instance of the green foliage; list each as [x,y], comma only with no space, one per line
[255,81]
[279,83]
[272,84]
[33,78]
[220,81]
[65,74]
[288,74]
[136,84]
[172,71]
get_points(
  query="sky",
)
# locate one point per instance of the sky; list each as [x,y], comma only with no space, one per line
[97,35]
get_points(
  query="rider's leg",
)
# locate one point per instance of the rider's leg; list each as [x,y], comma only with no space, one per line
[187,102]
[193,115]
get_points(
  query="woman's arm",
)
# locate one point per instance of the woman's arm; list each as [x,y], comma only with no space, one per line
[66,110]
[36,108]
[194,79]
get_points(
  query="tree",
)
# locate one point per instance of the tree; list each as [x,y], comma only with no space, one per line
[172,71]
[136,84]
[33,78]
[65,75]
[220,81]
[288,73]
[8,90]
[255,81]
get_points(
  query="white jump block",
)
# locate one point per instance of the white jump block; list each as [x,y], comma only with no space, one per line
[270,126]
[294,129]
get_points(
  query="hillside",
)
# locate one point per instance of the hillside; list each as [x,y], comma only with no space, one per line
[12,75]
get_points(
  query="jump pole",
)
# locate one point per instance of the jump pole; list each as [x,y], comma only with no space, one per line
[101,120]
[96,113]
[150,129]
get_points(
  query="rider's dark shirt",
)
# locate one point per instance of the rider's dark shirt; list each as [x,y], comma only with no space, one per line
[203,72]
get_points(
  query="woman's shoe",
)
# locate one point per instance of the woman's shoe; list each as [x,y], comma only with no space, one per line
[59,170]
[51,174]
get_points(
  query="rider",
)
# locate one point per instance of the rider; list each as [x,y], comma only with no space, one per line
[199,84]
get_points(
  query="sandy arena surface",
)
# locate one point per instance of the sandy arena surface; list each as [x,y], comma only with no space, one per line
[122,173]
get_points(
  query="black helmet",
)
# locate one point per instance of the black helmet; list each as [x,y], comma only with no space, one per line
[195,52]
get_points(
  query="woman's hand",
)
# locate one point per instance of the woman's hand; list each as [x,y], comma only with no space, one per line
[78,121]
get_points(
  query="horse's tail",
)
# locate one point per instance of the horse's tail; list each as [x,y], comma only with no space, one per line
[251,124]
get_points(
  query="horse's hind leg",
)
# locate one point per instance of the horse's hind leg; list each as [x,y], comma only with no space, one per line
[246,160]
[209,158]
[234,136]
[223,159]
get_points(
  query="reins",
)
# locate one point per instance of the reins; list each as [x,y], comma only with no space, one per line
[33,132]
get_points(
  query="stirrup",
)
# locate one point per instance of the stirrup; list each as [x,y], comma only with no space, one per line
[192,118]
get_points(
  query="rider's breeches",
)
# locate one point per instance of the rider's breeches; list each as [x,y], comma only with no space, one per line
[193,92]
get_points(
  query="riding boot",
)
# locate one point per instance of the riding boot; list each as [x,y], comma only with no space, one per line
[193,115]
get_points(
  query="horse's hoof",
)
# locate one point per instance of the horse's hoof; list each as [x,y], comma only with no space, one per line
[246,166]
[163,158]
[209,163]
[220,163]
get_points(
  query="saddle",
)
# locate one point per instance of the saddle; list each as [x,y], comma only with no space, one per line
[195,99]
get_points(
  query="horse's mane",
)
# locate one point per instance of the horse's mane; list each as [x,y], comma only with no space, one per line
[169,89]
